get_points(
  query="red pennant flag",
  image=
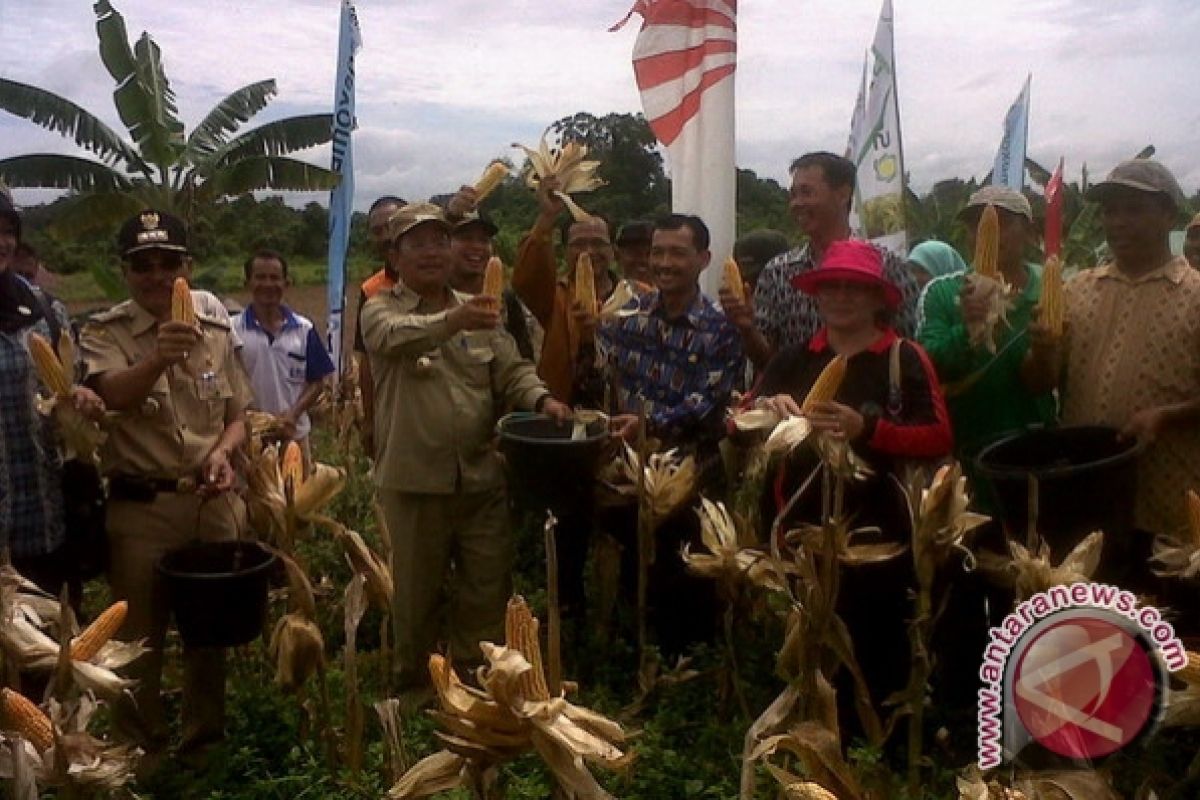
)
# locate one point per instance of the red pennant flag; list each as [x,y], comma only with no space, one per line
[1054,212]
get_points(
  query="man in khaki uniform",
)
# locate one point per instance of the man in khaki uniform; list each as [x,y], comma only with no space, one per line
[182,397]
[443,371]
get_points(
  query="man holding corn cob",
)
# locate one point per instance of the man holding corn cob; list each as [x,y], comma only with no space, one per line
[175,379]
[443,371]
[779,315]
[32,525]
[1129,356]
[988,390]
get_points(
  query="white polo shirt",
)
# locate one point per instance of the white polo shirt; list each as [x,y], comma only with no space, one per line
[281,366]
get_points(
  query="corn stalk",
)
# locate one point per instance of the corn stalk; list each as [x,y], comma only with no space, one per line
[553,609]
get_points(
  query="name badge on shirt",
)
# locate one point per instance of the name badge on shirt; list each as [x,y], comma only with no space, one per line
[207,386]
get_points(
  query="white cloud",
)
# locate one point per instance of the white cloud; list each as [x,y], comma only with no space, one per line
[445,85]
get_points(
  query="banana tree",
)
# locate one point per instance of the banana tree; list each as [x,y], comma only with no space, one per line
[158,165]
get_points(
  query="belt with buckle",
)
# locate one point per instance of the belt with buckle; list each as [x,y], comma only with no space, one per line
[141,488]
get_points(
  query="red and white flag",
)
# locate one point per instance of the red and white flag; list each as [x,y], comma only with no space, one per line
[1054,212]
[684,59]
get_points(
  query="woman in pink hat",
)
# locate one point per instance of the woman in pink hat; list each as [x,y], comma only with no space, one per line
[890,409]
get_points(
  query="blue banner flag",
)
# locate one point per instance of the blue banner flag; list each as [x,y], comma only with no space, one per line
[1009,169]
[341,199]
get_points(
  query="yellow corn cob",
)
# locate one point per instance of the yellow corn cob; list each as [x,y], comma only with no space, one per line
[496,172]
[585,283]
[521,634]
[1052,303]
[987,244]
[48,367]
[806,790]
[733,279]
[1193,504]
[493,279]
[182,309]
[94,636]
[827,384]
[23,717]
[293,467]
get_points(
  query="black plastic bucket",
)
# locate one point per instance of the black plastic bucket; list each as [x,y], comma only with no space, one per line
[218,591]
[1087,481]
[547,468]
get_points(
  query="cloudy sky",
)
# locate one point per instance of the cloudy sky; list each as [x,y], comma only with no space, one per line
[446,85]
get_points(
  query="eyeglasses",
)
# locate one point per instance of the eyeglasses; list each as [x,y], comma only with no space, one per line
[147,264]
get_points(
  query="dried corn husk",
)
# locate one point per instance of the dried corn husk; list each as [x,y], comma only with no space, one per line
[25,641]
[1034,573]
[1183,705]
[298,650]
[512,715]
[262,424]
[941,521]
[76,759]
[788,435]
[568,165]
[669,480]
[1179,557]
[730,555]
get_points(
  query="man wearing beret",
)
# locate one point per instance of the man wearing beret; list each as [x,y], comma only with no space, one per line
[182,395]
[444,371]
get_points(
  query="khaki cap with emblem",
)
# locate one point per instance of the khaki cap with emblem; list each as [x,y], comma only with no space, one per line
[152,230]
[1142,174]
[414,215]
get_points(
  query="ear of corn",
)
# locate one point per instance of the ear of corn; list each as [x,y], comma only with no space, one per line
[733,279]
[585,283]
[49,368]
[104,627]
[987,244]
[493,279]
[496,172]
[1053,305]
[827,384]
[182,309]
[521,633]
[292,470]
[23,717]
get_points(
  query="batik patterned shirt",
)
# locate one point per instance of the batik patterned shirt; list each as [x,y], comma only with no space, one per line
[789,317]
[681,371]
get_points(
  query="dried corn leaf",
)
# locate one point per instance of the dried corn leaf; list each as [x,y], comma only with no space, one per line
[440,772]
[819,750]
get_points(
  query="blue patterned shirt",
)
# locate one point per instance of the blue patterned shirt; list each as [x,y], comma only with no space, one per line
[682,370]
[31,502]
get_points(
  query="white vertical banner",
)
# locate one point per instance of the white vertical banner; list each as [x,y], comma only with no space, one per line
[858,132]
[684,61]
[879,195]
[341,199]
[1009,167]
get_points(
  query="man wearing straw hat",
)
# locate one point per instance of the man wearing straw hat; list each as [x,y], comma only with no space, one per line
[181,395]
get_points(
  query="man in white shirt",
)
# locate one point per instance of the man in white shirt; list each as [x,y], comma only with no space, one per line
[281,350]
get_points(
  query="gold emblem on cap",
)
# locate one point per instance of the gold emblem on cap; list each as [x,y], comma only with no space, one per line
[149,220]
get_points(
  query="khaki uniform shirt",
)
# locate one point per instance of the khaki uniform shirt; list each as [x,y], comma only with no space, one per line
[183,417]
[1132,344]
[438,396]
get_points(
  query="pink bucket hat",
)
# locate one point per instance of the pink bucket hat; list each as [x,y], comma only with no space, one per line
[850,260]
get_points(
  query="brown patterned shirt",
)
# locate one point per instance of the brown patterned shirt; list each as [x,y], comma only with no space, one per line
[1133,344]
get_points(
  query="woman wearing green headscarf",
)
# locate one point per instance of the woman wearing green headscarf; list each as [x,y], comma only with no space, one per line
[933,259]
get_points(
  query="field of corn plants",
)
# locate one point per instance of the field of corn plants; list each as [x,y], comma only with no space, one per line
[560,711]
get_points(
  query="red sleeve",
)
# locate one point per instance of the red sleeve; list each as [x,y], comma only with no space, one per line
[928,435]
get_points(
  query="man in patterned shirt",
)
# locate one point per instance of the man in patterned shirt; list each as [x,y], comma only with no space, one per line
[675,358]
[780,314]
[1130,355]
